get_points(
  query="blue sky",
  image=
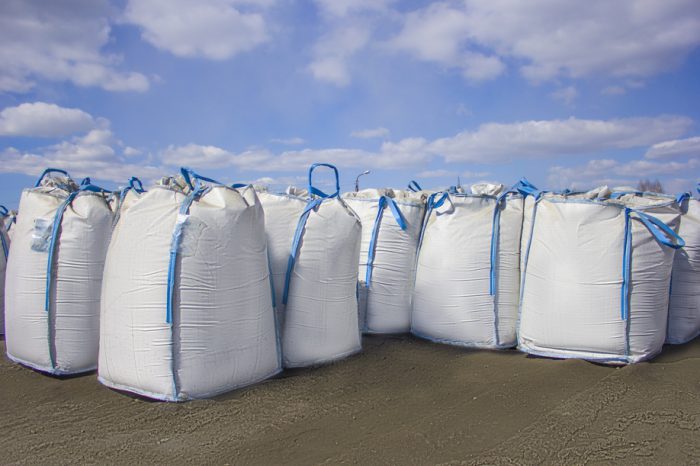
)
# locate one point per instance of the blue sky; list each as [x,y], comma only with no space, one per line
[568,94]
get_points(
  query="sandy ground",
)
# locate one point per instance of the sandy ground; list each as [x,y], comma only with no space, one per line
[402,401]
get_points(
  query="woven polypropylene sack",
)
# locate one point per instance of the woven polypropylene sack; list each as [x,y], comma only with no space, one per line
[321,313]
[684,308]
[219,332]
[468,270]
[577,298]
[387,256]
[61,338]
[4,252]
[282,213]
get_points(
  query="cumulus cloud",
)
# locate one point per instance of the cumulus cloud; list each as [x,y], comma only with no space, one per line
[40,119]
[335,48]
[490,143]
[689,147]
[370,133]
[439,33]
[97,153]
[60,41]
[348,27]
[343,8]
[548,40]
[405,153]
[93,155]
[131,151]
[616,173]
[214,29]
[206,156]
[493,142]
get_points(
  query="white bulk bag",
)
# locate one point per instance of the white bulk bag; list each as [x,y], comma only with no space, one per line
[186,304]
[54,276]
[684,307]
[4,252]
[126,196]
[282,212]
[595,277]
[684,304]
[391,225]
[467,277]
[320,292]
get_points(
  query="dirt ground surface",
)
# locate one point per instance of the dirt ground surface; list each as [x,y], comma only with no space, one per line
[402,401]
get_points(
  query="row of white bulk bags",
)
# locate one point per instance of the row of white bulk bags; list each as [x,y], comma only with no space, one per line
[596,275]
[54,275]
[467,277]
[186,304]
[4,252]
[319,292]
[391,225]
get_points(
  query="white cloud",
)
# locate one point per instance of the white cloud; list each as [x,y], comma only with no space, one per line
[60,41]
[40,119]
[97,152]
[342,8]
[92,154]
[493,142]
[490,143]
[567,95]
[370,133]
[131,151]
[348,27]
[335,48]
[438,33]
[295,141]
[332,70]
[406,153]
[550,39]
[689,147]
[205,156]
[214,29]
[616,173]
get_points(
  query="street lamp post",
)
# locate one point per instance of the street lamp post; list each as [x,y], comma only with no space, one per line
[357,180]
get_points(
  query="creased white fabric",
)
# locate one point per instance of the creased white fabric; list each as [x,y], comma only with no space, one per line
[684,308]
[386,306]
[223,333]
[70,330]
[573,275]
[452,301]
[320,320]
